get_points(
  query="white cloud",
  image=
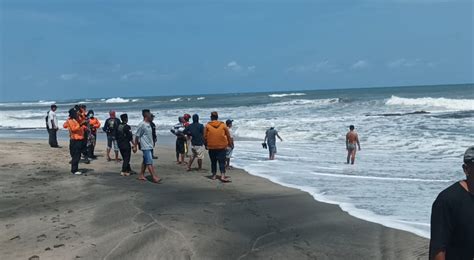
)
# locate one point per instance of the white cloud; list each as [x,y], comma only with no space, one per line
[131,75]
[236,67]
[321,66]
[233,65]
[68,76]
[147,75]
[360,64]
[410,63]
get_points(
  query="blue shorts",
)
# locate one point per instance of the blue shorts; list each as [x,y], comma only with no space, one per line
[112,142]
[147,157]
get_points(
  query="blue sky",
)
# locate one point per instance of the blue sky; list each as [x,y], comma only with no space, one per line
[68,49]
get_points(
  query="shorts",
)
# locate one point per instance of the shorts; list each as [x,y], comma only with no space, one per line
[180,146]
[147,157]
[198,151]
[228,152]
[111,141]
[272,149]
[351,147]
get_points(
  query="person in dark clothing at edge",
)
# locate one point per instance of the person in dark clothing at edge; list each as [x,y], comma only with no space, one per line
[155,138]
[196,132]
[124,139]
[452,217]
[110,128]
[52,126]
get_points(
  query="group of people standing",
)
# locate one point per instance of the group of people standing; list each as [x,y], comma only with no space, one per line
[215,137]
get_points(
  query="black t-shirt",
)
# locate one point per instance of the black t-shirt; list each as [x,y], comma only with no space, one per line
[124,136]
[452,223]
[196,131]
[110,126]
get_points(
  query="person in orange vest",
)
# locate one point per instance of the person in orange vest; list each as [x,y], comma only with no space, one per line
[217,139]
[84,121]
[76,139]
[94,124]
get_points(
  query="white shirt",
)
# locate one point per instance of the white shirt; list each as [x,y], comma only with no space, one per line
[52,116]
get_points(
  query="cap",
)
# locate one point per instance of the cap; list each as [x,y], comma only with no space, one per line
[469,155]
[229,121]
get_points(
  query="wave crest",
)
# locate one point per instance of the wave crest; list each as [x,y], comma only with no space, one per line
[117,100]
[286,95]
[428,102]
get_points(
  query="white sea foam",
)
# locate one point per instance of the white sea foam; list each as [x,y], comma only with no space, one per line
[300,102]
[286,95]
[428,102]
[200,98]
[117,100]
[176,99]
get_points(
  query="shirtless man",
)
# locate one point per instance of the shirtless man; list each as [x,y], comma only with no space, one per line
[352,139]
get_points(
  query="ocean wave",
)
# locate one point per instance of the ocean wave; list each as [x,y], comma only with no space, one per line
[176,99]
[39,103]
[428,102]
[200,98]
[286,95]
[302,102]
[117,100]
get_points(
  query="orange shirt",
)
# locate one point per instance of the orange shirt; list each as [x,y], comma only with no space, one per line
[217,135]
[76,132]
[94,123]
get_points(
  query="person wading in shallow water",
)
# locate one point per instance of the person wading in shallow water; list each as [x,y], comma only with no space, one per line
[452,217]
[270,139]
[352,142]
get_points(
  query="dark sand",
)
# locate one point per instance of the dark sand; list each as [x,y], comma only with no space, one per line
[47,212]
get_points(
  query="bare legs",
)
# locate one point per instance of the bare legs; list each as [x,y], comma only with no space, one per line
[351,154]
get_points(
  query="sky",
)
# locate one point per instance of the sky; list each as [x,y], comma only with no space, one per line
[66,49]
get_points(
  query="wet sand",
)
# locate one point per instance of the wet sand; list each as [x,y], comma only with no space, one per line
[47,212]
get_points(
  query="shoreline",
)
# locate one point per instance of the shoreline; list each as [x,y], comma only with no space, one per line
[252,217]
[167,142]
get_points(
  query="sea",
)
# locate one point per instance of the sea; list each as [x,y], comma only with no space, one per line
[412,140]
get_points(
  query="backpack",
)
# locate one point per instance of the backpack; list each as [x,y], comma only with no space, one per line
[120,134]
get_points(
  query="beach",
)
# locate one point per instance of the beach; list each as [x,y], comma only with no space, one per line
[49,213]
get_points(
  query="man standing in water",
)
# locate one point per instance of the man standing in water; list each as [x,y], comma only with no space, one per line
[144,136]
[270,138]
[352,142]
[217,139]
[452,217]
[52,124]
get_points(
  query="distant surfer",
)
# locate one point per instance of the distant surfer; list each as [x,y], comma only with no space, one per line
[352,142]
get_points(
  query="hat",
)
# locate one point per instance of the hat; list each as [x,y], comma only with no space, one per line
[187,116]
[229,121]
[469,155]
